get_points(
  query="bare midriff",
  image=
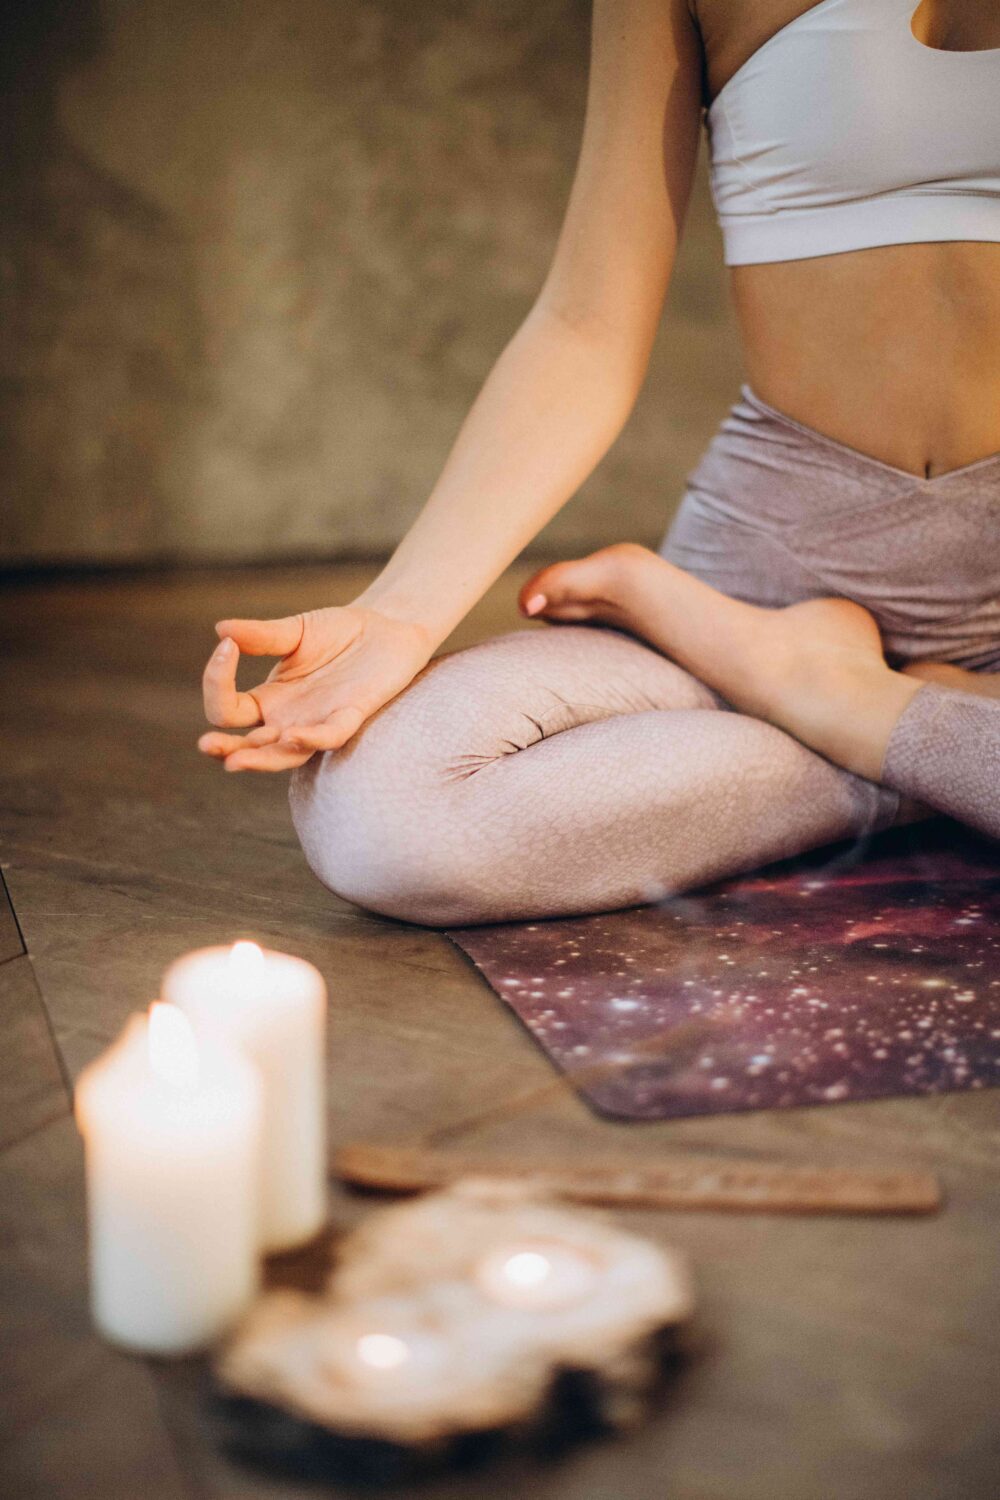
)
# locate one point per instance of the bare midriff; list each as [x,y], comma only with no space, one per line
[893,350]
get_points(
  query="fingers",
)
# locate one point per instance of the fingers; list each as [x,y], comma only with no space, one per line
[268,758]
[272,749]
[257,751]
[335,731]
[221,745]
[265,637]
[224,704]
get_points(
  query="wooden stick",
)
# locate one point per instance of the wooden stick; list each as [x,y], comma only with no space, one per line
[679,1183]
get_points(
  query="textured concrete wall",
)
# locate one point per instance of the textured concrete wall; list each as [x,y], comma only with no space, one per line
[259,258]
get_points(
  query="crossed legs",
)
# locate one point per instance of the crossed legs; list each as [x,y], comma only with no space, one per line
[561,771]
[815,669]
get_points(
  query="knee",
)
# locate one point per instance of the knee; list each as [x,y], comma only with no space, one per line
[388,847]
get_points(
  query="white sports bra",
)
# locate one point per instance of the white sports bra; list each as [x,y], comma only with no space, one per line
[843,131]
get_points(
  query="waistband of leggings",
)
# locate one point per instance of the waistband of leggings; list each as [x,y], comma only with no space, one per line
[764,470]
[975,473]
[800,435]
[767,471]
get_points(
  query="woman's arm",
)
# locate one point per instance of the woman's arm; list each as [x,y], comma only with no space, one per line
[565,385]
[549,410]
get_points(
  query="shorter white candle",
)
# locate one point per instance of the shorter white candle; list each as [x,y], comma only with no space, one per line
[273,1007]
[540,1275]
[172,1132]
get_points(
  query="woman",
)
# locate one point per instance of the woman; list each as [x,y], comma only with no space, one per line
[810,658]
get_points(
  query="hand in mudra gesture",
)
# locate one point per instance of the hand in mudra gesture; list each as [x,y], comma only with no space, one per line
[337,666]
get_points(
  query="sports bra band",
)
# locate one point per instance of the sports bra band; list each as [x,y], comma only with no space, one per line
[843,131]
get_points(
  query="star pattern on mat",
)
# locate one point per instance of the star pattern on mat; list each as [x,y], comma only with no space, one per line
[809,984]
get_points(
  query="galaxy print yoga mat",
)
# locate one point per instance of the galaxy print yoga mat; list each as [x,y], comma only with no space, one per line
[857,973]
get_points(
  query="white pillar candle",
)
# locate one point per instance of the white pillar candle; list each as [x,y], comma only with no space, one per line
[172,1133]
[273,1007]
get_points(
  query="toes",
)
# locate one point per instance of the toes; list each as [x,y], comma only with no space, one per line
[585,587]
[558,592]
[536,595]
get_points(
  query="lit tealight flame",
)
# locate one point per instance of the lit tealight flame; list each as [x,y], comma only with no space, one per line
[173,1049]
[528,1268]
[532,1277]
[246,957]
[382,1351]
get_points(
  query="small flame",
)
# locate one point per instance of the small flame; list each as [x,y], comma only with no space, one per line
[173,1050]
[528,1268]
[246,958]
[382,1351]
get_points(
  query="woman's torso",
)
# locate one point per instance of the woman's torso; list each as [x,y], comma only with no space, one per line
[893,350]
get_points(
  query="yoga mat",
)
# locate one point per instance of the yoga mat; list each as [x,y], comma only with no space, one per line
[869,970]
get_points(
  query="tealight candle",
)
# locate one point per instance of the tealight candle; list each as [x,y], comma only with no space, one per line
[273,1007]
[382,1351]
[537,1275]
[376,1358]
[172,1131]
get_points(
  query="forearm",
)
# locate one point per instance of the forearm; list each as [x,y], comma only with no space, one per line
[549,410]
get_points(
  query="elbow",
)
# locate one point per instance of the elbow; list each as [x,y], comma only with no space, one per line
[617,351]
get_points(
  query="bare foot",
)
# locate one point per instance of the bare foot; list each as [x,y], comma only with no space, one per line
[815,669]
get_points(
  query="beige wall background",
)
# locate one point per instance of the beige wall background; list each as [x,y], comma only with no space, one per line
[258,259]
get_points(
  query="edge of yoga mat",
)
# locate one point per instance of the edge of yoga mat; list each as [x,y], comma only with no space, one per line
[903,928]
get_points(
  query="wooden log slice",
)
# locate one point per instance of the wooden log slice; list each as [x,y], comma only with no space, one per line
[463,1312]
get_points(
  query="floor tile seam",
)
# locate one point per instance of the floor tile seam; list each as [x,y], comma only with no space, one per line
[26,955]
[17,921]
[197,887]
[84,1029]
[56,1118]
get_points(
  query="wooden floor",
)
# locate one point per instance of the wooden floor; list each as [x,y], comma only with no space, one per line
[835,1358]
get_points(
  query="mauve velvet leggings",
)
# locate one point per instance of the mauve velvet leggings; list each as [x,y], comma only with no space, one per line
[573,769]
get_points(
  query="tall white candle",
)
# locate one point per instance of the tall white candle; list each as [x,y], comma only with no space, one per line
[172,1133]
[272,1006]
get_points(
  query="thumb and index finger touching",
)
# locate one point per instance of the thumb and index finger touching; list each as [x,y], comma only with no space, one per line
[225,705]
[264,637]
[228,708]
